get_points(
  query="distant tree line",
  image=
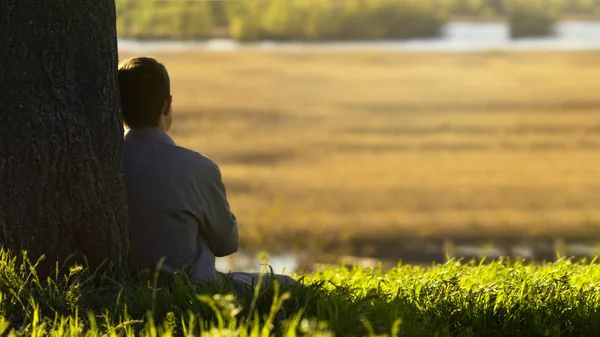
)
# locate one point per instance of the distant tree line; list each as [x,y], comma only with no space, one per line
[503,8]
[334,19]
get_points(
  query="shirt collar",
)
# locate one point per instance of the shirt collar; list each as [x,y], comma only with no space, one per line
[148,135]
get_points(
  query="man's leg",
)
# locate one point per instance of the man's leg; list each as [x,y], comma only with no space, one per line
[252,279]
[241,289]
[249,282]
[245,283]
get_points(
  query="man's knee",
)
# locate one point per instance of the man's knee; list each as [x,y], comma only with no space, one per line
[285,280]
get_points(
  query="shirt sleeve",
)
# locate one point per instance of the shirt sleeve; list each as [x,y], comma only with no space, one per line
[219,226]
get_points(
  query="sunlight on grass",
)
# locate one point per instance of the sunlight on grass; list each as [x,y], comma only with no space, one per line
[466,299]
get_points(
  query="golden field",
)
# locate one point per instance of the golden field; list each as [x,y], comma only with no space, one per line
[375,144]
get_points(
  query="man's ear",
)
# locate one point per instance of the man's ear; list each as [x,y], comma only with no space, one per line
[167,105]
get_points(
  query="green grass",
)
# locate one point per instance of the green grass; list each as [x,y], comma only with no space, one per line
[333,19]
[471,299]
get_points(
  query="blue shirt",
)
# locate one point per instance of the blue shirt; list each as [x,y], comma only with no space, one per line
[178,206]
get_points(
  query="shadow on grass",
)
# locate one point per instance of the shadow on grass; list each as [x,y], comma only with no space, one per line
[78,298]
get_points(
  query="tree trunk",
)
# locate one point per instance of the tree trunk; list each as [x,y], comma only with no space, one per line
[62,191]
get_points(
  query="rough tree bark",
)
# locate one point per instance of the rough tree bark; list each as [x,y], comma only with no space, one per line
[61,184]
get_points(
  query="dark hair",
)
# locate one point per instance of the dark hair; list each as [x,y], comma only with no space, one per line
[144,85]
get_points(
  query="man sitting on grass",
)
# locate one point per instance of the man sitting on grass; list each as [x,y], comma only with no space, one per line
[177,202]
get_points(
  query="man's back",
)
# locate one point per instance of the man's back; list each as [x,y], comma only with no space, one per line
[177,202]
[177,205]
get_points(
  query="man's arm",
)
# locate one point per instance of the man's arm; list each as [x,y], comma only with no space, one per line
[219,228]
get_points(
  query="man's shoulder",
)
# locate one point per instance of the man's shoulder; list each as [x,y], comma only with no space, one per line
[167,154]
[197,160]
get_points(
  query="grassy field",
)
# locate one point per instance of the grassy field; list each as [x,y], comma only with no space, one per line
[315,146]
[498,299]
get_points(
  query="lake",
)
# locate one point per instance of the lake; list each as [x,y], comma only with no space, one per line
[457,37]
[534,251]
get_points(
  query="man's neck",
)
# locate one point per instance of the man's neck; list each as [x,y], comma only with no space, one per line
[149,134]
[154,128]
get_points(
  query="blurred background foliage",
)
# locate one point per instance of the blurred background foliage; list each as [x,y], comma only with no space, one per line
[335,19]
